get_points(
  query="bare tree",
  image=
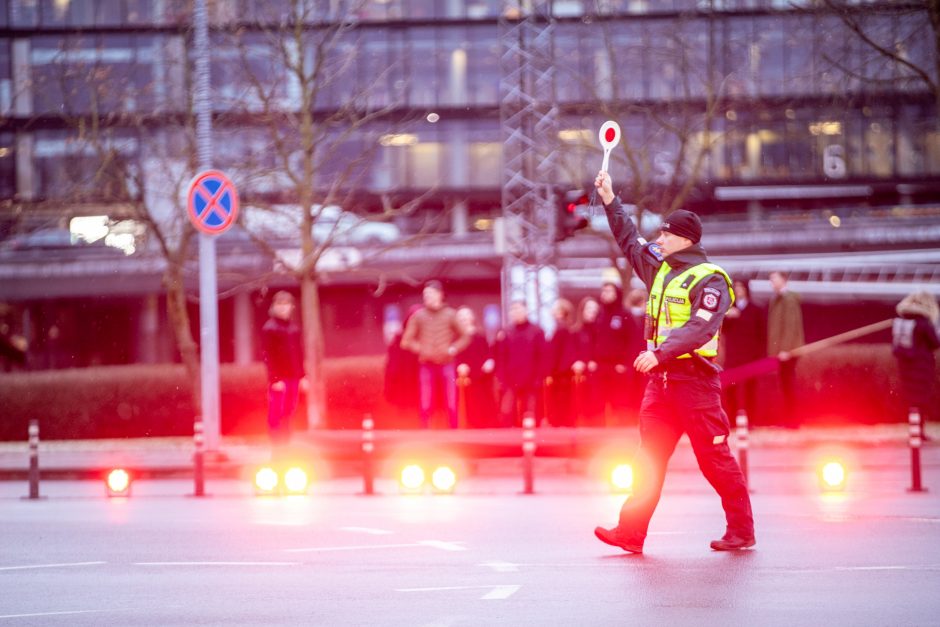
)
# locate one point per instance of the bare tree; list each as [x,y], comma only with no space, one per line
[322,111]
[669,123]
[122,155]
[906,49]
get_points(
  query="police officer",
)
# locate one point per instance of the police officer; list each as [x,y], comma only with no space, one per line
[688,298]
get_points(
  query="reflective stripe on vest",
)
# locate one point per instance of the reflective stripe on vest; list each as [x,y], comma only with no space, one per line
[670,307]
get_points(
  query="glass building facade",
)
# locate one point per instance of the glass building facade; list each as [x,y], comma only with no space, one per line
[711,95]
[773,92]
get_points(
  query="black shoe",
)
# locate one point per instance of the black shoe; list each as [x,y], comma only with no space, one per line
[628,542]
[733,543]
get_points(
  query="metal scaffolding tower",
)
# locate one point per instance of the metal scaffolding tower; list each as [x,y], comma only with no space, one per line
[529,127]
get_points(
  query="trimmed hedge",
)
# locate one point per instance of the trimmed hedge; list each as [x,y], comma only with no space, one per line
[855,383]
[154,400]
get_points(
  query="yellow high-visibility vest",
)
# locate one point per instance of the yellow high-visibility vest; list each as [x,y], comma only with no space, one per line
[669,307]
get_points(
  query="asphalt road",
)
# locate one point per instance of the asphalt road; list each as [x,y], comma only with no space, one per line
[486,555]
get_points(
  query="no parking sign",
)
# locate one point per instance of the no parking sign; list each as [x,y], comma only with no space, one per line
[212,203]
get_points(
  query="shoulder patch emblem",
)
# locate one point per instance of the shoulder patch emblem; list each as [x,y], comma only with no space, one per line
[656,250]
[710,301]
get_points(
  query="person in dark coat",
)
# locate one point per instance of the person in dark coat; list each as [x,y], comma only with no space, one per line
[617,333]
[586,396]
[282,348]
[744,333]
[562,357]
[914,340]
[401,374]
[475,366]
[519,352]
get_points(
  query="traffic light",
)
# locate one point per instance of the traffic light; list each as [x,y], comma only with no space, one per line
[571,214]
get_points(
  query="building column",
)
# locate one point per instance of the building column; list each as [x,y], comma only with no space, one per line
[148,330]
[459,218]
[244,326]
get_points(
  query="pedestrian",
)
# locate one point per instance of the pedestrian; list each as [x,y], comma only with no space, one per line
[401,374]
[282,349]
[616,335]
[586,402]
[914,340]
[519,351]
[562,357]
[434,336]
[475,366]
[744,332]
[785,333]
[688,300]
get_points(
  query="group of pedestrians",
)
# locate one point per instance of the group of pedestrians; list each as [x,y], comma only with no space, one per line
[579,376]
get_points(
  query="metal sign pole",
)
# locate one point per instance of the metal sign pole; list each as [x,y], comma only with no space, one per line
[209,340]
[208,292]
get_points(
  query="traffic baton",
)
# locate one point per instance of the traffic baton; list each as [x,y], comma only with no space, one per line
[913,420]
[368,446]
[33,459]
[740,422]
[528,451]
[199,461]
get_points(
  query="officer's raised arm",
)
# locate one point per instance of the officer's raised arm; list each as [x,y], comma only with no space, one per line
[642,255]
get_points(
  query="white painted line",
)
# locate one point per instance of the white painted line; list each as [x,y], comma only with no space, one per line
[495,592]
[369,530]
[69,565]
[500,592]
[502,567]
[871,568]
[444,546]
[436,544]
[217,563]
[65,613]
[358,547]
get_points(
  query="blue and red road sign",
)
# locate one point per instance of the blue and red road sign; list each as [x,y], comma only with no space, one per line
[213,202]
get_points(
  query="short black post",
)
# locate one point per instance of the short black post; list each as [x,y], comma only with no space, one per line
[741,424]
[914,439]
[368,447]
[528,452]
[199,459]
[34,459]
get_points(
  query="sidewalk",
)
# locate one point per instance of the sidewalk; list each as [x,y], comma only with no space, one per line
[883,445]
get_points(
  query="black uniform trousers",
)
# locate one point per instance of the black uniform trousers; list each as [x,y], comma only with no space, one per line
[673,406]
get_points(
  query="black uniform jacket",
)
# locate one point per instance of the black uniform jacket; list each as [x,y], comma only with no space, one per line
[710,297]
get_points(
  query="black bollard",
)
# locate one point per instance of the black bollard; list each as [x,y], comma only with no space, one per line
[741,424]
[368,447]
[913,419]
[528,452]
[34,459]
[199,469]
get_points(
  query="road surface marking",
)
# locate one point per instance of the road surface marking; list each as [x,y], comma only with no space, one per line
[495,592]
[70,565]
[500,592]
[369,530]
[65,613]
[217,563]
[436,544]
[876,568]
[502,567]
[444,546]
